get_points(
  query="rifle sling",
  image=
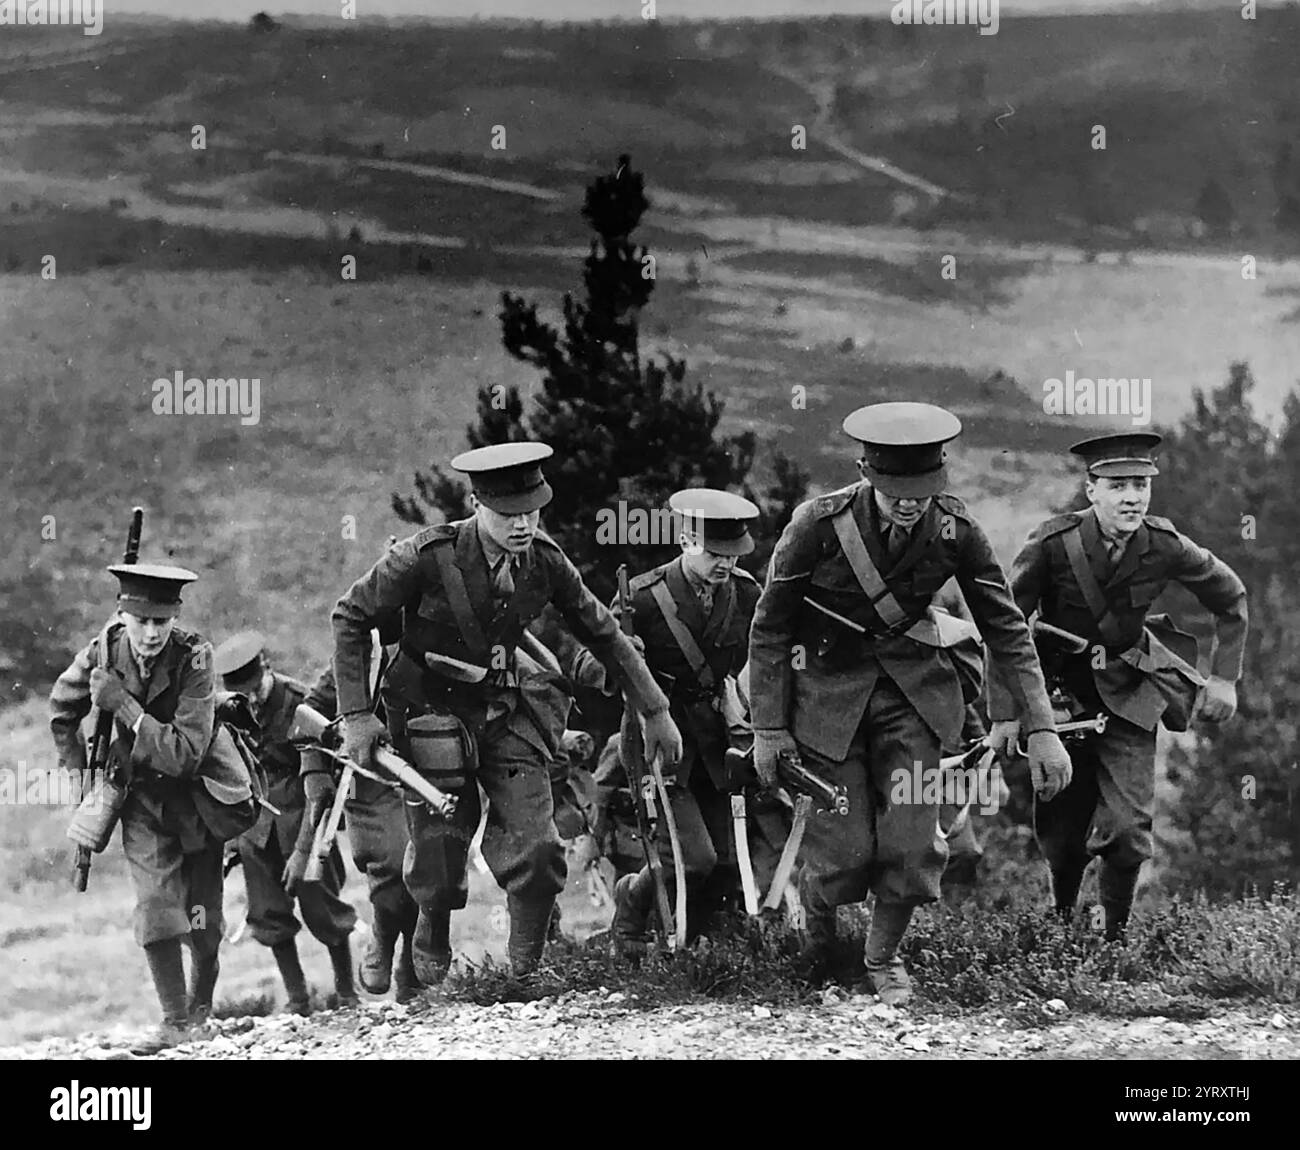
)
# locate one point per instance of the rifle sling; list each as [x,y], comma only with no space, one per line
[681,633]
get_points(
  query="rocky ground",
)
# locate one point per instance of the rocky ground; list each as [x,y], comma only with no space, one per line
[609,1025]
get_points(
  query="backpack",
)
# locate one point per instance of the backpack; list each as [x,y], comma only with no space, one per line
[234,783]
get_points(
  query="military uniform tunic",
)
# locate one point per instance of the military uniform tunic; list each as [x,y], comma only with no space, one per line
[864,708]
[700,796]
[174,860]
[1107,809]
[511,716]
[266,848]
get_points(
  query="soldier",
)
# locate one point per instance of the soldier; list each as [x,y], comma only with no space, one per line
[693,616]
[1095,573]
[457,706]
[851,669]
[377,835]
[157,681]
[274,853]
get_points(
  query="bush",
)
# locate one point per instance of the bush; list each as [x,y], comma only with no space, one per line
[1176,957]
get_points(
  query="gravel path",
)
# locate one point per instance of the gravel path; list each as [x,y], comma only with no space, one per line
[610,1026]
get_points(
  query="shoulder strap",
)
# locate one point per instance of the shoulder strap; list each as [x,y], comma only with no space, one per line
[685,640]
[1088,585]
[855,551]
[453,583]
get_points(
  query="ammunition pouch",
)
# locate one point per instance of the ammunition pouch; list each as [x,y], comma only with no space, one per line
[441,749]
[96,816]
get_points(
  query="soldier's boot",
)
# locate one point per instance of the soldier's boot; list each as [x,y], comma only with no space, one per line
[295,982]
[431,945]
[1116,886]
[529,919]
[817,939]
[375,970]
[886,974]
[203,983]
[1067,878]
[408,986]
[633,895]
[341,962]
[168,972]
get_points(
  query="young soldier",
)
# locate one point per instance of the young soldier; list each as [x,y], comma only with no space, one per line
[468,590]
[1096,573]
[156,679]
[274,853]
[693,617]
[849,669]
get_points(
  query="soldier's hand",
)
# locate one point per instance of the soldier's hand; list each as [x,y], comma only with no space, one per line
[1004,736]
[662,736]
[107,691]
[361,731]
[1219,703]
[578,745]
[1049,764]
[768,747]
[589,672]
[318,789]
[294,869]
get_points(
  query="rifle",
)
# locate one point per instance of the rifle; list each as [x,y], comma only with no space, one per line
[791,772]
[632,748]
[312,728]
[103,805]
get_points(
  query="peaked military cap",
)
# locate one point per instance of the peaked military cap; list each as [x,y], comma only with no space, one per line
[236,658]
[718,519]
[902,446]
[507,477]
[150,588]
[1126,453]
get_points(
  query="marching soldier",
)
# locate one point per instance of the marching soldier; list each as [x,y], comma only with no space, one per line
[274,853]
[1095,573]
[457,705]
[156,679]
[377,835]
[693,616]
[851,669]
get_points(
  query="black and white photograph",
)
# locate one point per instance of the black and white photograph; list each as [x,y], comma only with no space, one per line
[673,530]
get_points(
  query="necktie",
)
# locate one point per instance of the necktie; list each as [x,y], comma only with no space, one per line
[705,596]
[503,581]
[895,543]
[1114,549]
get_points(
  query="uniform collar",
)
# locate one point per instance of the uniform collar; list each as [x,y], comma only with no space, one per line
[493,552]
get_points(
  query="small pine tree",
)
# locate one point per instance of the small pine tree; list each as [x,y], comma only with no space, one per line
[625,430]
[1230,484]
